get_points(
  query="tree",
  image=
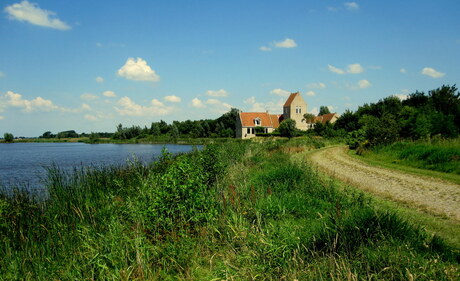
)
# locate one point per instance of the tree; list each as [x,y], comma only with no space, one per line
[288,128]
[309,118]
[323,110]
[8,137]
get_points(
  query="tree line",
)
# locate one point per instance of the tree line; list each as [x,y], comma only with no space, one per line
[420,116]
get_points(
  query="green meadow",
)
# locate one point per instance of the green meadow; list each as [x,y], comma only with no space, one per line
[234,210]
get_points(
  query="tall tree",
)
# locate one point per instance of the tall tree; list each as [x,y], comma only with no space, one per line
[323,110]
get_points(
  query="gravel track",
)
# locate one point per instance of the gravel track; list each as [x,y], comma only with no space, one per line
[425,193]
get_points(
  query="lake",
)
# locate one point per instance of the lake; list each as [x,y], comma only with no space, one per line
[24,164]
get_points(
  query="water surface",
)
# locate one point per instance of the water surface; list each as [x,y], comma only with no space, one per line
[24,164]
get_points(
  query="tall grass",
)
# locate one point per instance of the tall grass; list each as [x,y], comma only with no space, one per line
[441,155]
[233,211]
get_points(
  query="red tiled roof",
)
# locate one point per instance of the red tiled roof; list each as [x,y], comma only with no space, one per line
[325,118]
[275,120]
[290,99]
[247,119]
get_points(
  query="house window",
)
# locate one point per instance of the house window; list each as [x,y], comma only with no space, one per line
[249,130]
[298,110]
[257,121]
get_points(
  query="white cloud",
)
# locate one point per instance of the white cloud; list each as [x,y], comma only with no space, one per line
[428,71]
[314,111]
[214,105]
[197,103]
[354,68]
[331,108]
[316,85]
[138,70]
[129,108]
[280,92]
[99,79]
[287,43]
[401,96]
[90,117]
[219,93]
[271,106]
[172,98]
[364,84]
[2,74]
[37,104]
[332,9]
[335,69]
[403,70]
[109,94]
[2,117]
[97,116]
[250,100]
[352,6]
[88,96]
[265,49]
[311,93]
[218,106]
[32,13]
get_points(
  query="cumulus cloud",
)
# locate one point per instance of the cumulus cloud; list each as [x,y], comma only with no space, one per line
[265,48]
[197,103]
[280,92]
[2,74]
[428,71]
[362,84]
[403,70]
[401,96]
[335,69]
[314,111]
[172,98]
[37,104]
[109,94]
[250,100]
[218,106]
[138,70]
[97,116]
[2,117]
[286,43]
[271,106]
[311,93]
[127,107]
[99,79]
[316,85]
[355,68]
[218,93]
[352,6]
[88,96]
[32,13]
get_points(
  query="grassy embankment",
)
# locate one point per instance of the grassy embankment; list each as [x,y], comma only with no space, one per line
[438,158]
[239,211]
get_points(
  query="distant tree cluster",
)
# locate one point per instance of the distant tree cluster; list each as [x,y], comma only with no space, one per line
[224,126]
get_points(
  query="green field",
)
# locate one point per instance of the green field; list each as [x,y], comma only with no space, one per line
[232,211]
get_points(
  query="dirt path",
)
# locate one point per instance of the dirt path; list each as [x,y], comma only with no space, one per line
[425,193]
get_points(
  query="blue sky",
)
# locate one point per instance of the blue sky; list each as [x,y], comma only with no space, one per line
[90,65]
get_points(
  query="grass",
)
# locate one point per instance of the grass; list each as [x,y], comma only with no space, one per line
[440,156]
[232,211]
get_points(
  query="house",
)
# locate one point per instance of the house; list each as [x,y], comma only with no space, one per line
[247,122]
[294,108]
[330,117]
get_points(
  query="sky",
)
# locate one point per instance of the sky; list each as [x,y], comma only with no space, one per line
[91,65]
